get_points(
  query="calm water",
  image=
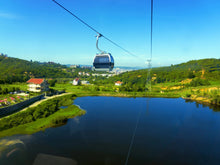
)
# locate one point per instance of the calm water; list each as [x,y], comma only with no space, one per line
[169,131]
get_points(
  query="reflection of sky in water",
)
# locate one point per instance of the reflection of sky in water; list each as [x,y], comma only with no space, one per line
[4,144]
[170,131]
[12,152]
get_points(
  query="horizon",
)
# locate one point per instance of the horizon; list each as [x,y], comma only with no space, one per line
[182,31]
[137,67]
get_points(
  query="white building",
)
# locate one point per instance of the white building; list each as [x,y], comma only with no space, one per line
[37,85]
[76,81]
[85,82]
[118,83]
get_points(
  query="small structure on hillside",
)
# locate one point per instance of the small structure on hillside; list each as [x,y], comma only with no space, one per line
[85,83]
[118,83]
[38,85]
[76,81]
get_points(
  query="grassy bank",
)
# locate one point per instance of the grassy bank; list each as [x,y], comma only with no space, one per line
[55,119]
[204,94]
[47,114]
[93,90]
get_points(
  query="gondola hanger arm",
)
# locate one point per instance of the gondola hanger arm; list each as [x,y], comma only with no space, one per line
[97,42]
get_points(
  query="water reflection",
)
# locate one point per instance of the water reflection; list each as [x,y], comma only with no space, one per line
[13,152]
[170,131]
[213,107]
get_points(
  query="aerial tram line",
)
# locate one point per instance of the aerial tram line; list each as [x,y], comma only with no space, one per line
[76,16]
[108,55]
[99,56]
[148,85]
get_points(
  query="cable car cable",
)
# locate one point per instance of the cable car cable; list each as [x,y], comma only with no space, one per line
[94,29]
[133,137]
[148,81]
[139,114]
[151,31]
[75,16]
[119,46]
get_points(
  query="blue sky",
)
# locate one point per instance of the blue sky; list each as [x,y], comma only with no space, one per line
[39,30]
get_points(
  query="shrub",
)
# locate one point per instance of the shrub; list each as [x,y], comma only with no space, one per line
[188,95]
[198,82]
[31,114]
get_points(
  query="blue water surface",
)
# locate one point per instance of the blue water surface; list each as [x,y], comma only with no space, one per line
[169,131]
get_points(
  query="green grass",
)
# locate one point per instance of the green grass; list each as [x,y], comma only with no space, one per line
[63,114]
[215,83]
[81,91]
[167,84]
[22,86]
[42,124]
[156,90]
[68,87]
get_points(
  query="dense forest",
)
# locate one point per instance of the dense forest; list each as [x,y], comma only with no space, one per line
[199,71]
[204,68]
[18,70]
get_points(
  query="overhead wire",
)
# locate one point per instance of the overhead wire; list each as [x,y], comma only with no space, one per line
[114,43]
[93,29]
[151,30]
[132,138]
[139,114]
[148,81]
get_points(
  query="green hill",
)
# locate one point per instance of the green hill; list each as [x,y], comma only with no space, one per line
[201,71]
[204,68]
[17,70]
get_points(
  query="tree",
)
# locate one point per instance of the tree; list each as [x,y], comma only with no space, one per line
[52,82]
[191,75]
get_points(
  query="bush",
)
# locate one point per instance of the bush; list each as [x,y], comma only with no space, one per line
[198,82]
[31,114]
[188,95]
[60,120]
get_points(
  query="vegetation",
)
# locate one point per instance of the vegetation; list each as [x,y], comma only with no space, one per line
[18,70]
[42,111]
[57,118]
[205,69]
[176,81]
[197,80]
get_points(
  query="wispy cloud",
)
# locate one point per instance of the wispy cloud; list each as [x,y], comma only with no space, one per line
[8,15]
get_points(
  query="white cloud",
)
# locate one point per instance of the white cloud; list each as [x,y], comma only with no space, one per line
[8,15]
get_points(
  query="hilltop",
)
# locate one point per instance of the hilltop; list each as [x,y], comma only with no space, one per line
[205,69]
[18,70]
[197,79]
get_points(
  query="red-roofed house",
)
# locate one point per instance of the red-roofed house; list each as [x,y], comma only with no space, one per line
[37,85]
[118,83]
[76,81]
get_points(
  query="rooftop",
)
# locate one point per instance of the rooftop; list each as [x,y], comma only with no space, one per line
[36,81]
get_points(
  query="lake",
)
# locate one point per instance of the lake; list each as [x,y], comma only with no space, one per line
[168,132]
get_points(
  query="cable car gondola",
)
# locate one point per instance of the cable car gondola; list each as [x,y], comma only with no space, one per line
[102,61]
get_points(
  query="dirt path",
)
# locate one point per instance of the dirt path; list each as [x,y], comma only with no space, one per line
[40,101]
[36,103]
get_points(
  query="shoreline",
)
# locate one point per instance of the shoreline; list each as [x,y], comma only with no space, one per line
[60,116]
[201,100]
[40,124]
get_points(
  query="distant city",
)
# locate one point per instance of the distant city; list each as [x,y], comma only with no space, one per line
[116,70]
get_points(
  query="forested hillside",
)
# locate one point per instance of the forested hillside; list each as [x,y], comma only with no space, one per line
[204,68]
[200,72]
[17,70]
